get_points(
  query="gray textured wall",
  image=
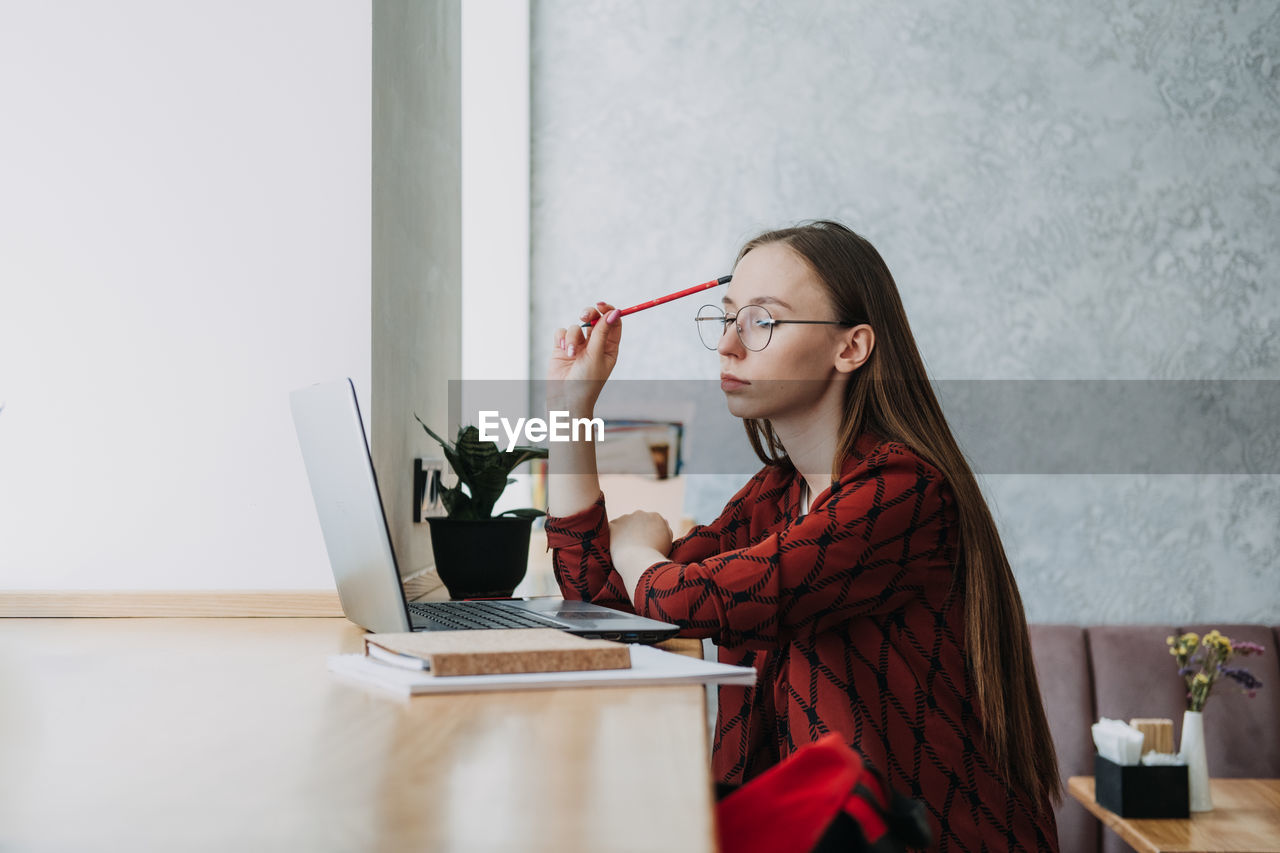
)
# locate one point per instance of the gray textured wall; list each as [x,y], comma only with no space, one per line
[1083,190]
[417,247]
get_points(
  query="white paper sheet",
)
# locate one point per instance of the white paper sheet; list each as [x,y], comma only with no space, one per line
[648,666]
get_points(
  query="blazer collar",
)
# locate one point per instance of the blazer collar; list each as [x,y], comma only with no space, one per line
[862,448]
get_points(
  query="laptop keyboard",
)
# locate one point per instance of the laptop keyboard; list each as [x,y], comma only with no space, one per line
[479,614]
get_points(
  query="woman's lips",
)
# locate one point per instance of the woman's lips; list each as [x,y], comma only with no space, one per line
[729,382]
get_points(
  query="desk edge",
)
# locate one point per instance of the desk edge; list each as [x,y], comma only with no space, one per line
[303,603]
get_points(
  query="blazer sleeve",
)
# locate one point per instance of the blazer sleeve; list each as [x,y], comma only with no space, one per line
[882,539]
[580,547]
[730,530]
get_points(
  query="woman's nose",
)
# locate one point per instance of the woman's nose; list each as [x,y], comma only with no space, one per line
[730,343]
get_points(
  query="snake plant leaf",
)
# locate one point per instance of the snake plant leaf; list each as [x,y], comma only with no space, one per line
[523,513]
[430,432]
[454,461]
[523,453]
[483,470]
[457,503]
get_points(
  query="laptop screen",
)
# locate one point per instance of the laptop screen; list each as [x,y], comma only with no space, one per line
[335,451]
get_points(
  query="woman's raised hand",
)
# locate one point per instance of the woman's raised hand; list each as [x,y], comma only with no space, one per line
[582,360]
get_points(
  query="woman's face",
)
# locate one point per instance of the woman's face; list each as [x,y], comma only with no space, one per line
[795,370]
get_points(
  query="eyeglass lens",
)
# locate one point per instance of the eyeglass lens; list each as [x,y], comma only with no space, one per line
[753,323]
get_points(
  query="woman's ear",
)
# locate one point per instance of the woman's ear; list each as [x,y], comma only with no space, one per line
[856,345]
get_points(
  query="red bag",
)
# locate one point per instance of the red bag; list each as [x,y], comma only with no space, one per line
[821,798]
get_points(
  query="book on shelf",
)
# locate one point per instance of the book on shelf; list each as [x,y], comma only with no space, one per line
[648,447]
[493,652]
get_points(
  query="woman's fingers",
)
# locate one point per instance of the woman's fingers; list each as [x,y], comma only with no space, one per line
[594,314]
[566,339]
[588,315]
[571,341]
[602,310]
[607,331]
[574,340]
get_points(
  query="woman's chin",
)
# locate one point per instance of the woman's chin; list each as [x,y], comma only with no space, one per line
[742,407]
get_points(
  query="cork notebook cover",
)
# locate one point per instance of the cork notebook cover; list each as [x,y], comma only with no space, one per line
[491,652]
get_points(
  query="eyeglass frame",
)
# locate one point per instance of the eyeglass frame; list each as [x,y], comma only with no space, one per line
[727,318]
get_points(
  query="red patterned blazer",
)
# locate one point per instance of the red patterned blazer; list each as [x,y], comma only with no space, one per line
[853,615]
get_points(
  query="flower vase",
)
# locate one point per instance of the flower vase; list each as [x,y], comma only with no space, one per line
[1193,753]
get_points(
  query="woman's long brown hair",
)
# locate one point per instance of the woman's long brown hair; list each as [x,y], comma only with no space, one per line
[890,396]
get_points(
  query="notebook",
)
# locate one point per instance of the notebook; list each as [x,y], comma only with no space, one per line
[649,666]
[446,653]
[335,451]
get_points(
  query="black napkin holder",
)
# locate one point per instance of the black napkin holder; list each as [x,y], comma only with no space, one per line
[1141,791]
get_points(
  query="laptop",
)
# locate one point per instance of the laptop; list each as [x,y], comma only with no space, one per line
[335,450]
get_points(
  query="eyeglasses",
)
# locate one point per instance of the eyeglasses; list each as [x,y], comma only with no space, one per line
[753,323]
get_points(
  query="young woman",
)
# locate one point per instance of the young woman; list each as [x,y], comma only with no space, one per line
[860,571]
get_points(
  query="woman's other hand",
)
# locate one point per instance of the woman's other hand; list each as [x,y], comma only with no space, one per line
[637,541]
[640,529]
[582,360]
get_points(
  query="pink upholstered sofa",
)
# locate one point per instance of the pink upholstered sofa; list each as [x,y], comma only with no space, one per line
[1125,671]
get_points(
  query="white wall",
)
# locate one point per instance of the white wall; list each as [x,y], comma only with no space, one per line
[184,237]
[495,210]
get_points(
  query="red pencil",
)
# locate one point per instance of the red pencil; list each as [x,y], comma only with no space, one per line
[688,291]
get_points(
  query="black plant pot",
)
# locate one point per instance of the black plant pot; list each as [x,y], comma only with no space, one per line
[480,559]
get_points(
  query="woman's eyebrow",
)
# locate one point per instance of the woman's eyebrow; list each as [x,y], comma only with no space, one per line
[759,300]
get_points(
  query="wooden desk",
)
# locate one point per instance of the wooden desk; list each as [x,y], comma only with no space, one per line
[1245,817]
[229,734]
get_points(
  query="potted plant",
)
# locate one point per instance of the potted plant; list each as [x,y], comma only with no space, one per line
[479,555]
